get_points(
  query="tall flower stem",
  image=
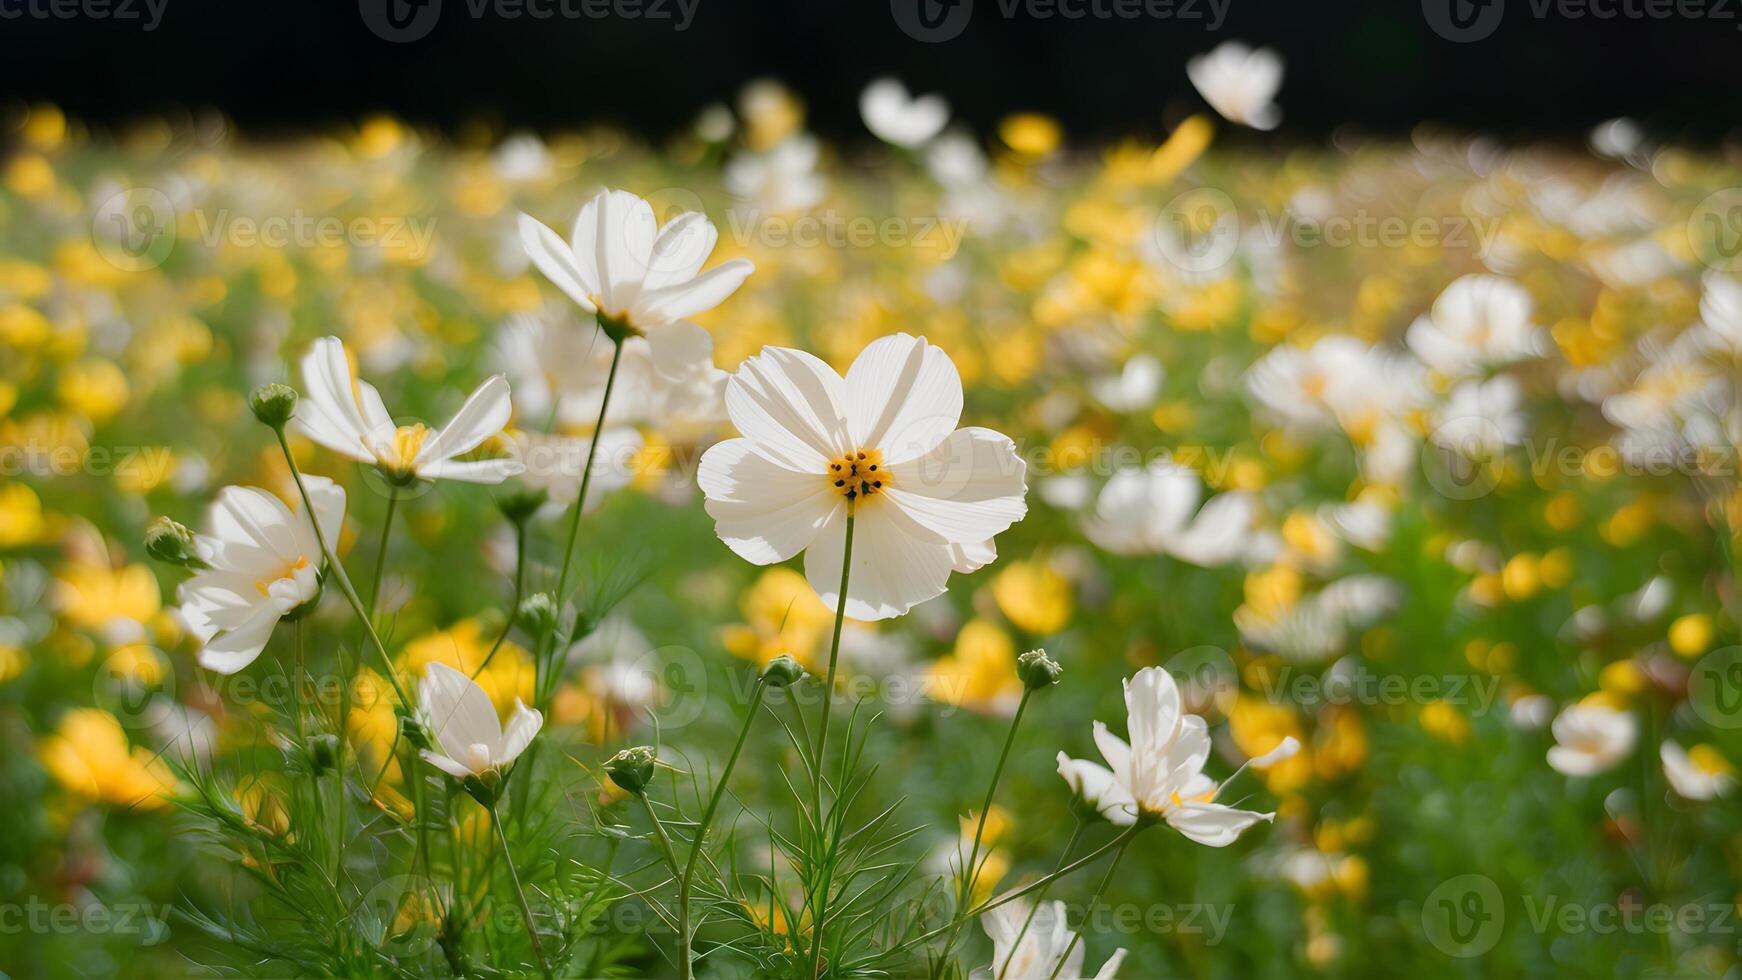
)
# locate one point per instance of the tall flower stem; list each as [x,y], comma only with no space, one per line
[1028,920]
[520,893]
[971,870]
[338,571]
[820,901]
[1089,909]
[578,507]
[381,549]
[670,855]
[686,969]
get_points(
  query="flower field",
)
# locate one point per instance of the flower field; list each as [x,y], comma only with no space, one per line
[748,555]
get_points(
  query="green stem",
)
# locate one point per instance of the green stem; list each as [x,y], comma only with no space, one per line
[671,862]
[575,510]
[689,871]
[338,571]
[971,870]
[296,678]
[381,550]
[520,893]
[820,901]
[1016,944]
[1089,909]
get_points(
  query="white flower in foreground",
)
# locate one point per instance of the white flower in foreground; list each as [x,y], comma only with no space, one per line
[638,278]
[882,445]
[345,414]
[471,740]
[1479,322]
[1160,774]
[1239,83]
[1036,956]
[265,564]
[1481,418]
[1150,511]
[1591,738]
[785,178]
[1700,774]
[895,116]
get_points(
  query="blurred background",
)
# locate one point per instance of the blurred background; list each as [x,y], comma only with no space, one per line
[1544,68]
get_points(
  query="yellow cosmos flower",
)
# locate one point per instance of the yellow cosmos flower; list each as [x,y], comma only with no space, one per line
[781,615]
[980,674]
[21,518]
[1031,134]
[90,594]
[89,757]
[1033,596]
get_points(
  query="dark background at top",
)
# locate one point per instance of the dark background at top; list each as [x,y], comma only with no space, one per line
[278,65]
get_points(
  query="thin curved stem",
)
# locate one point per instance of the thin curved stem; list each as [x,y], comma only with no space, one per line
[820,901]
[1028,920]
[1089,910]
[971,871]
[381,549]
[701,833]
[520,893]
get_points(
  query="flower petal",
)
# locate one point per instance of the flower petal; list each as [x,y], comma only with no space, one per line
[456,710]
[967,489]
[558,261]
[681,300]
[487,471]
[903,397]
[1213,824]
[683,245]
[230,651]
[791,405]
[1152,706]
[896,563]
[518,733]
[483,415]
[763,511]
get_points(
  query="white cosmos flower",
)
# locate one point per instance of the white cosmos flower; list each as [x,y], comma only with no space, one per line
[1702,774]
[1481,418]
[265,564]
[785,178]
[1150,511]
[621,265]
[1310,386]
[1721,311]
[1160,773]
[1134,388]
[894,116]
[470,739]
[1036,956]
[1591,738]
[1239,83]
[345,414]
[882,444]
[1479,322]
[1315,626]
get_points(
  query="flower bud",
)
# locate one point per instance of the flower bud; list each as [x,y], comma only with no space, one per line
[519,504]
[631,769]
[172,544]
[412,731]
[1038,670]
[323,752]
[537,613]
[782,671]
[273,404]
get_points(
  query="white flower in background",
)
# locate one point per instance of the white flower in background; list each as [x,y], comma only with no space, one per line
[1591,738]
[1133,389]
[522,158]
[561,369]
[265,564]
[1160,773]
[1037,954]
[1532,711]
[554,464]
[1617,139]
[1364,522]
[1481,418]
[1311,627]
[1479,322]
[897,117]
[1310,385]
[782,179]
[1700,774]
[881,444]
[715,123]
[639,278]
[345,414]
[1240,83]
[1151,511]
[1721,312]
[470,740]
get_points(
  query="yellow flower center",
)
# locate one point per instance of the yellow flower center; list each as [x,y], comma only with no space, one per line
[264,585]
[407,441]
[859,474]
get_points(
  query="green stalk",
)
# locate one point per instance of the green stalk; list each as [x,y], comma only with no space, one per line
[520,893]
[1028,920]
[971,870]
[670,855]
[689,871]
[820,901]
[1089,909]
